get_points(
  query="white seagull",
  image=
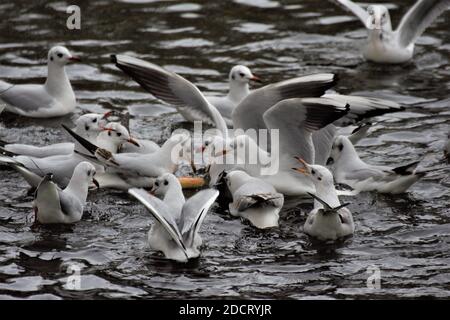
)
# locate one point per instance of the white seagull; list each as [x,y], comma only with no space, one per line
[253,199]
[329,220]
[349,169]
[53,99]
[54,205]
[127,170]
[394,46]
[62,166]
[176,230]
[88,126]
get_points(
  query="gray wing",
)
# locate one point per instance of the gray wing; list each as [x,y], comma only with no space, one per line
[69,204]
[256,193]
[249,113]
[418,18]
[170,87]
[27,98]
[161,213]
[355,9]
[363,107]
[296,119]
[366,173]
[47,192]
[194,213]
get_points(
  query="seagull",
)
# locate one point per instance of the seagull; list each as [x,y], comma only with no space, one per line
[253,199]
[88,126]
[148,75]
[329,220]
[55,98]
[62,166]
[349,169]
[54,205]
[176,230]
[127,170]
[394,46]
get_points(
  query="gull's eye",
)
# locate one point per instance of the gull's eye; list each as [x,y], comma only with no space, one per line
[157,183]
[313,171]
[95,120]
[86,127]
[206,143]
[60,55]
[340,147]
[109,133]
[118,134]
[166,182]
[242,74]
[89,173]
[319,178]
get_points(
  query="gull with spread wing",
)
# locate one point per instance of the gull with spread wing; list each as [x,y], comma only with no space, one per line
[394,46]
[178,221]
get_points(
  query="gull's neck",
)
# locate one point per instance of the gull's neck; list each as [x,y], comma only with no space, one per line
[349,160]
[57,83]
[238,91]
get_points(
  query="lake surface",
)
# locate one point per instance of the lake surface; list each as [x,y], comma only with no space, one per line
[407,237]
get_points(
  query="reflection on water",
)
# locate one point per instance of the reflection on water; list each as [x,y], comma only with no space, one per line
[406,236]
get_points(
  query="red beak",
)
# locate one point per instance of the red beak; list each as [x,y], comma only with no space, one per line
[107,114]
[256,79]
[75,58]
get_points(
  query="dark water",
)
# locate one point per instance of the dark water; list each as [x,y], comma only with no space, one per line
[407,236]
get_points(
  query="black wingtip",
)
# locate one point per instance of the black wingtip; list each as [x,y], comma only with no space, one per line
[86,144]
[113,58]
[407,169]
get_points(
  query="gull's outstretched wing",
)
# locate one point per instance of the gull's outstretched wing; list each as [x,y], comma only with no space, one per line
[170,87]
[161,213]
[296,119]
[418,18]
[249,113]
[363,107]
[194,212]
[355,9]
